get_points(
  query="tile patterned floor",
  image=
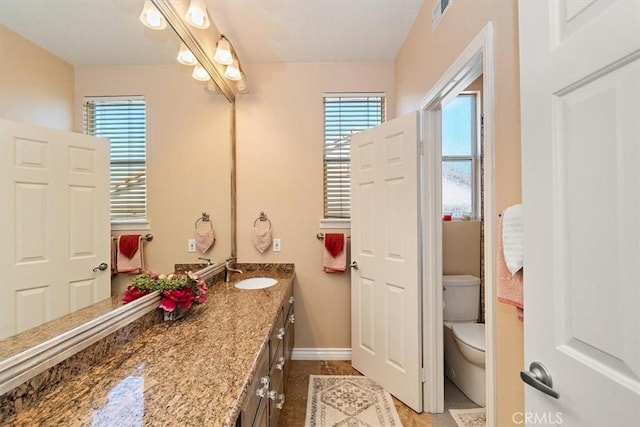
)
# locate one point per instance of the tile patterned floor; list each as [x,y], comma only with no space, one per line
[294,412]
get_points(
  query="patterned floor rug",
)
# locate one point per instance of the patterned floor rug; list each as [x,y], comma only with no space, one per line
[475,417]
[349,401]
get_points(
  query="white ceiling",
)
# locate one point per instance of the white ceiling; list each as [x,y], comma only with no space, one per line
[87,32]
[315,30]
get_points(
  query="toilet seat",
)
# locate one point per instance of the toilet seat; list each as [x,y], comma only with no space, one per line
[472,334]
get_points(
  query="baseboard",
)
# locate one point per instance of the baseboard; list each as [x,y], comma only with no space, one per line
[321,354]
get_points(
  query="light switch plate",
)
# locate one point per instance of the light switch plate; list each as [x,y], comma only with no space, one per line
[191,245]
[276,245]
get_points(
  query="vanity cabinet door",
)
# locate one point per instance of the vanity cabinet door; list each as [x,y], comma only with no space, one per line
[258,391]
[262,417]
[276,394]
[289,340]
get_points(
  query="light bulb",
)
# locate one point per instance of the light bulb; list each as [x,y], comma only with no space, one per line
[223,52]
[200,74]
[151,17]
[185,56]
[233,71]
[197,14]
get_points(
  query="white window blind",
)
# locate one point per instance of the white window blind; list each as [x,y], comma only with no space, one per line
[344,115]
[123,121]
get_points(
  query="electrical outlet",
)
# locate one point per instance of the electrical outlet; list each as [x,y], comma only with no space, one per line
[191,245]
[276,245]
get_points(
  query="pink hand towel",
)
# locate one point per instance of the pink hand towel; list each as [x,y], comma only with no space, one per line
[509,287]
[262,236]
[338,263]
[133,265]
[205,238]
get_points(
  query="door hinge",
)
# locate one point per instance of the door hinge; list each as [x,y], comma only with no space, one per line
[423,375]
[420,148]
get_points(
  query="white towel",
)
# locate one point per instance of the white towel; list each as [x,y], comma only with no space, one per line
[513,238]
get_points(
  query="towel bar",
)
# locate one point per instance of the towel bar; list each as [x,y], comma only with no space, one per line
[146,238]
[320,236]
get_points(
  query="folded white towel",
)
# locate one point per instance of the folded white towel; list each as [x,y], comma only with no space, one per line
[513,238]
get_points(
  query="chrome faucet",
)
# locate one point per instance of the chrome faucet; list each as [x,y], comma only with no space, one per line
[228,270]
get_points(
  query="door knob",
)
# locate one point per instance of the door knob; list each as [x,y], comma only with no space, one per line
[102,267]
[539,378]
[354,265]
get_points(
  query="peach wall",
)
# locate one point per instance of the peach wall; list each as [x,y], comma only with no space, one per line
[36,86]
[423,58]
[461,247]
[188,140]
[279,164]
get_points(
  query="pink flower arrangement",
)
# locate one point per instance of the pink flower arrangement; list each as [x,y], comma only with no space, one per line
[180,291]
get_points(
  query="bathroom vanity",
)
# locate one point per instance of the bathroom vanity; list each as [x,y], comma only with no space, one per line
[225,364]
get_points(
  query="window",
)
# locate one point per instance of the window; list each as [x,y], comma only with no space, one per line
[123,121]
[344,115]
[460,156]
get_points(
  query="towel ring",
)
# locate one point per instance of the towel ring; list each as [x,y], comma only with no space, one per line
[262,217]
[204,218]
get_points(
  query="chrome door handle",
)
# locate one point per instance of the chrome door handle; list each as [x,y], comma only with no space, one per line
[102,267]
[354,265]
[539,378]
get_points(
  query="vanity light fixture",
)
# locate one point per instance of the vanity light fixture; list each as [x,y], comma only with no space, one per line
[241,85]
[185,56]
[197,14]
[223,53]
[200,74]
[233,71]
[151,17]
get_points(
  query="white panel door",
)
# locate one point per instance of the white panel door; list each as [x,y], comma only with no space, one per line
[54,224]
[580,85]
[385,293]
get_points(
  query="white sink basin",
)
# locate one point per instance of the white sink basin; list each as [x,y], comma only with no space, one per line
[256,283]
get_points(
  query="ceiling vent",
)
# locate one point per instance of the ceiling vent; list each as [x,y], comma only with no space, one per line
[438,12]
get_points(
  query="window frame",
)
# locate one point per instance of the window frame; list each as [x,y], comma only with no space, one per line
[333,221]
[474,157]
[140,222]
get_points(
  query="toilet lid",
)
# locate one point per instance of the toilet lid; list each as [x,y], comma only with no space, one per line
[471,334]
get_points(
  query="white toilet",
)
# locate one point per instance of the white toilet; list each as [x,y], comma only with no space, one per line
[464,347]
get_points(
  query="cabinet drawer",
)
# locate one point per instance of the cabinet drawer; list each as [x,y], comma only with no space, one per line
[288,301]
[277,336]
[258,389]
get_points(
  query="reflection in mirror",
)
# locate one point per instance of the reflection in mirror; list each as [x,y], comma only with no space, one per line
[55,54]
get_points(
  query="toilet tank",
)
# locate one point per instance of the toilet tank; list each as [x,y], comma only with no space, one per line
[461,295]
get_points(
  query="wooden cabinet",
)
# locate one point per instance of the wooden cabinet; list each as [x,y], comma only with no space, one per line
[267,394]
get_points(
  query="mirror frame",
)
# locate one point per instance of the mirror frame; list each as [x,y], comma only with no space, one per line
[21,367]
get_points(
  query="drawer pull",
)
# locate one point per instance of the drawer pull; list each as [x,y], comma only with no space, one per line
[291,300]
[280,403]
[273,395]
[292,318]
[281,333]
[280,363]
[262,391]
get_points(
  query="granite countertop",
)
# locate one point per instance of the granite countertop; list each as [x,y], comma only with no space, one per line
[15,344]
[191,372]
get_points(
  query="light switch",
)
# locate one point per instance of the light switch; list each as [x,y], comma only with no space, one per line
[276,245]
[191,245]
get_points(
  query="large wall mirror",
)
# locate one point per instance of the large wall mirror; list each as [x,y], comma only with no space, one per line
[53,54]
